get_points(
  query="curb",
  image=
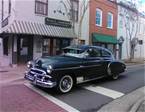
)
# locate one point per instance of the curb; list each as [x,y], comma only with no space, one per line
[136,105]
[127,103]
[133,65]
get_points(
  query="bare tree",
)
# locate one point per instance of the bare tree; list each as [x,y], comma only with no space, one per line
[69,7]
[83,8]
[130,16]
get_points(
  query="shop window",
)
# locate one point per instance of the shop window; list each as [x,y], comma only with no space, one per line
[41,7]
[60,44]
[65,43]
[5,46]
[82,42]
[98,17]
[110,20]
[38,46]
[46,46]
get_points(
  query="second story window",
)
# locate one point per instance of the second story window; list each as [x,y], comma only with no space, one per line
[41,7]
[110,20]
[98,17]
[74,10]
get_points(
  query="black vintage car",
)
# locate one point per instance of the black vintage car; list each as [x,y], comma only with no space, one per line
[79,63]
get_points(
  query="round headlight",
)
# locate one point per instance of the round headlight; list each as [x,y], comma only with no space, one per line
[50,67]
[29,64]
[48,71]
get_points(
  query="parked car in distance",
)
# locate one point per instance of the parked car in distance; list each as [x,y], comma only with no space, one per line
[77,64]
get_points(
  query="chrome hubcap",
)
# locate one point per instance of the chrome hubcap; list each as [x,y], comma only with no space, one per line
[66,84]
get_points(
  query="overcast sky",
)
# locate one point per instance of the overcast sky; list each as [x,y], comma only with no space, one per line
[142,8]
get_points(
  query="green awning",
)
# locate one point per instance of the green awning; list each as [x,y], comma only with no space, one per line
[103,38]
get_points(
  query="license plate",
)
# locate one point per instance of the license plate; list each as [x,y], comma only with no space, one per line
[34,80]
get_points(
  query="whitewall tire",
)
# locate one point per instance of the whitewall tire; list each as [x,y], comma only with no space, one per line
[65,84]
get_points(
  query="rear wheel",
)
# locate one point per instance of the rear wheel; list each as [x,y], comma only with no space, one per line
[114,76]
[65,84]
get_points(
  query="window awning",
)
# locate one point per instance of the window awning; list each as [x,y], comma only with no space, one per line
[104,38]
[23,27]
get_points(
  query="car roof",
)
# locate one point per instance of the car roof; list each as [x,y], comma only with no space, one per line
[84,47]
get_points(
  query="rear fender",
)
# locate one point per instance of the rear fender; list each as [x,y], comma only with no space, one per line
[116,67]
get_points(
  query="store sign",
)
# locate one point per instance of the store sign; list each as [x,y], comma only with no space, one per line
[56,22]
[5,22]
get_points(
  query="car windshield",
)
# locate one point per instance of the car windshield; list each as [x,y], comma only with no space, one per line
[73,52]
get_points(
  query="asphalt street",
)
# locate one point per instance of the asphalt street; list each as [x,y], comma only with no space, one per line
[86,100]
[20,95]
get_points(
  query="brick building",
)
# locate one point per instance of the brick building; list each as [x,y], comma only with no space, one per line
[103,23]
[100,21]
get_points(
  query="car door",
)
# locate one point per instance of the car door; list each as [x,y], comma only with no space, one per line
[93,63]
[106,59]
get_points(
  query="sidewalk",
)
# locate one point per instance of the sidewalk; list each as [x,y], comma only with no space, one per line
[16,97]
[134,62]
[8,73]
[132,102]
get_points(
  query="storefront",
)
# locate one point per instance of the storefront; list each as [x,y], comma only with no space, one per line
[106,41]
[24,41]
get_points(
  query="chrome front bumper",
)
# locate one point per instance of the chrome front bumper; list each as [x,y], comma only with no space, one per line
[36,81]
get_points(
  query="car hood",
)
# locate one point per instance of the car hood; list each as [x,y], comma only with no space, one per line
[57,61]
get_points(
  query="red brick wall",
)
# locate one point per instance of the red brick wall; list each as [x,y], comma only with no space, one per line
[106,6]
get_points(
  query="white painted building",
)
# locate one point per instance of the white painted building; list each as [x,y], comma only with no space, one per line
[32,28]
[140,48]
[124,12]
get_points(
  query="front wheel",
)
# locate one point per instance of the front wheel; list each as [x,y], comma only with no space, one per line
[65,84]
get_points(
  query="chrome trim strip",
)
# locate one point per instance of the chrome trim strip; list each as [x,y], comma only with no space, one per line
[91,79]
[80,66]
[39,70]
[108,68]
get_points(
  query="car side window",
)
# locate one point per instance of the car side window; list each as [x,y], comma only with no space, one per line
[105,54]
[93,52]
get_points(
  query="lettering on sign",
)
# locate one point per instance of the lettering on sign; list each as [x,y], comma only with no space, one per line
[56,22]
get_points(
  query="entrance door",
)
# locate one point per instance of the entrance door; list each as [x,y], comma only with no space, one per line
[25,49]
[53,46]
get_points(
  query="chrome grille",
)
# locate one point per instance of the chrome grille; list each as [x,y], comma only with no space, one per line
[38,72]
